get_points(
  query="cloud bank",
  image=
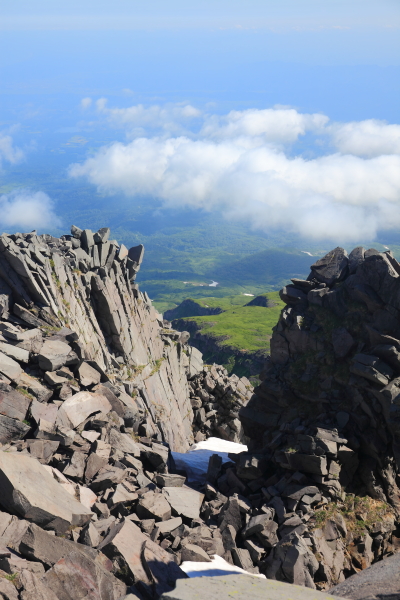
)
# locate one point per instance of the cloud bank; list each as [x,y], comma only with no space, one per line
[27,210]
[244,164]
[8,152]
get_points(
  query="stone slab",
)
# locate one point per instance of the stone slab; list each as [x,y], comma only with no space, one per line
[241,587]
[184,501]
[29,490]
[79,407]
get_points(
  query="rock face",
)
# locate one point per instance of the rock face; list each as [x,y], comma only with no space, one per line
[95,389]
[324,421]
[79,292]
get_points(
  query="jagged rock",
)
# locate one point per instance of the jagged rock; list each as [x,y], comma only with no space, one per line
[12,403]
[153,506]
[332,267]
[15,352]
[87,375]
[34,588]
[53,355]
[39,545]
[77,574]
[34,387]
[379,581]
[8,590]
[132,550]
[342,342]
[169,480]
[194,553]
[9,367]
[29,490]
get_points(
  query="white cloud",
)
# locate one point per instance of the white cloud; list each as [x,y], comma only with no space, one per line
[238,164]
[138,120]
[86,103]
[366,138]
[27,210]
[279,125]
[8,151]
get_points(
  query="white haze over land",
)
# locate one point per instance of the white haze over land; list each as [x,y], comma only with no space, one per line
[26,210]
[345,185]
[8,152]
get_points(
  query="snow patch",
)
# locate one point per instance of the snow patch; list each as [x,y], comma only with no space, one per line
[217,567]
[195,461]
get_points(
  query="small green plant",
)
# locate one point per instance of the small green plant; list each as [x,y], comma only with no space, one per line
[157,366]
[56,280]
[13,577]
[25,392]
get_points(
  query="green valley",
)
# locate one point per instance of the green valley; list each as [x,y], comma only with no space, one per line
[238,337]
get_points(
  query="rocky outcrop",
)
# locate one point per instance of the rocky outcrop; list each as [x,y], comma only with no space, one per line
[95,390]
[216,400]
[323,423]
[73,305]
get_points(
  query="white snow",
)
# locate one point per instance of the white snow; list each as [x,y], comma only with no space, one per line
[195,461]
[248,294]
[387,247]
[217,567]
[305,252]
[213,284]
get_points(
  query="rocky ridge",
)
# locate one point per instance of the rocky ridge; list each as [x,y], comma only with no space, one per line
[95,389]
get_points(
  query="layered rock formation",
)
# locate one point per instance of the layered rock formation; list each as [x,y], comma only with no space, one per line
[95,389]
[79,291]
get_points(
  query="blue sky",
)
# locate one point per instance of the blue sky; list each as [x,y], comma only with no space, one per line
[331,57]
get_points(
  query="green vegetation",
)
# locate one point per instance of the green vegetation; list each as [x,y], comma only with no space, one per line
[238,337]
[359,513]
[247,328]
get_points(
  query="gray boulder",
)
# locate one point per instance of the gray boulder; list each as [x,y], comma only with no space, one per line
[29,490]
[332,267]
[53,355]
[184,502]
[381,581]
[9,367]
[78,576]
[79,407]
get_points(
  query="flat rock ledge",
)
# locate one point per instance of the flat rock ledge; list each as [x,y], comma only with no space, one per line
[240,586]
